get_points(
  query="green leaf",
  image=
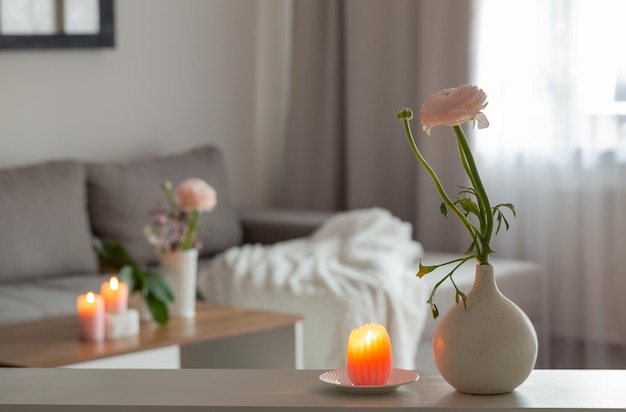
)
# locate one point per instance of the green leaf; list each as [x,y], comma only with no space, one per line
[158,309]
[460,296]
[434,310]
[113,254]
[423,269]
[158,287]
[510,206]
[501,218]
[467,190]
[468,205]
[126,276]
[443,209]
[464,300]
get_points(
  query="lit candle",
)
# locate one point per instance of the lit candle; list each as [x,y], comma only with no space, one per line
[91,316]
[369,355]
[115,294]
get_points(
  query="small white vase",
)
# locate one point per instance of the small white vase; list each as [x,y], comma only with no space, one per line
[491,347]
[180,270]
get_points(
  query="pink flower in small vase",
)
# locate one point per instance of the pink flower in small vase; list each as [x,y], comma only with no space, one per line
[196,194]
[451,107]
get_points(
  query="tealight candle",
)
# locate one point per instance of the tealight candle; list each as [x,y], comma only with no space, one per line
[115,294]
[369,356]
[91,316]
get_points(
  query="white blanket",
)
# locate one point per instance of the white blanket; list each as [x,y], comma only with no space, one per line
[359,267]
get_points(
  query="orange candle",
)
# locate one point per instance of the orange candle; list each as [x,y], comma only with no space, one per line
[115,294]
[369,355]
[91,316]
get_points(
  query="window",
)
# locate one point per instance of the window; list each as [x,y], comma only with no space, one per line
[557,69]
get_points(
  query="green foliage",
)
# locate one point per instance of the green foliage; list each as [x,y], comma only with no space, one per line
[459,295]
[114,257]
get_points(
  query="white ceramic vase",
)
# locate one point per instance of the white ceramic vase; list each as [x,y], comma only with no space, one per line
[491,347]
[180,270]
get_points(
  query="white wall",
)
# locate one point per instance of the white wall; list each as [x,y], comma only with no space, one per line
[181,74]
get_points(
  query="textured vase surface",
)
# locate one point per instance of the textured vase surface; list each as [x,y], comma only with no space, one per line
[180,270]
[491,347]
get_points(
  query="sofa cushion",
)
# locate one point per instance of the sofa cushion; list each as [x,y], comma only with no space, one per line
[44,229]
[44,298]
[121,195]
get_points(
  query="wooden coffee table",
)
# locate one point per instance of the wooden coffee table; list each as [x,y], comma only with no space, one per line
[218,337]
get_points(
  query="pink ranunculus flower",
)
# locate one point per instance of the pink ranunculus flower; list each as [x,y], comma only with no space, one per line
[451,107]
[196,194]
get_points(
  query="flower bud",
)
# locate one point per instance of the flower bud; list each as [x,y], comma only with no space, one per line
[405,114]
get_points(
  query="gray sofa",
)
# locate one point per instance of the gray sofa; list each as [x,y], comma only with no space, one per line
[50,211]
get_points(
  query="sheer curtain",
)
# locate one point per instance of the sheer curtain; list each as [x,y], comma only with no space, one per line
[555,75]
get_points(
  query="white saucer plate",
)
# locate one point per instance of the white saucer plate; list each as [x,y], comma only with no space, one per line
[340,379]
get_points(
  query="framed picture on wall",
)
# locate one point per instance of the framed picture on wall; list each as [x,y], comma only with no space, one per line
[45,24]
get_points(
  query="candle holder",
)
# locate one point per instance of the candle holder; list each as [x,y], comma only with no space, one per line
[121,325]
[339,379]
[120,321]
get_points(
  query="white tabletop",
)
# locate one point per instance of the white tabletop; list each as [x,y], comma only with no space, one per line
[265,390]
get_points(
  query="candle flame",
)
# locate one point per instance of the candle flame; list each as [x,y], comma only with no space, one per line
[91,298]
[113,283]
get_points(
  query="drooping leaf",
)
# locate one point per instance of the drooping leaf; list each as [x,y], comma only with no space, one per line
[443,209]
[501,218]
[461,296]
[464,300]
[509,206]
[158,309]
[158,287]
[434,310]
[467,190]
[423,269]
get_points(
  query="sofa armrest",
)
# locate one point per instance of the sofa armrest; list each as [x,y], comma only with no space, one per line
[267,226]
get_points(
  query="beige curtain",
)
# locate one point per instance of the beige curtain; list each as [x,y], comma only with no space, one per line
[353,64]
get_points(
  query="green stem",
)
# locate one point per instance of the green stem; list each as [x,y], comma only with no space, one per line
[167,189]
[435,179]
[481,208]
[480,193]
[193,221]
